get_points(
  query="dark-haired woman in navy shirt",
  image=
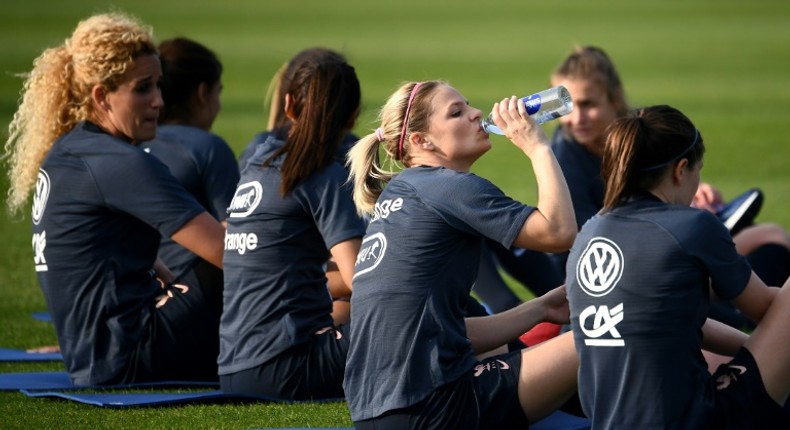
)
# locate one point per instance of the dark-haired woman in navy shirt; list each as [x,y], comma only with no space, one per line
[291,213]
[639,280]
[201,160]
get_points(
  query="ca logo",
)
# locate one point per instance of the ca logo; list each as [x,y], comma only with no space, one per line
[605,321]
[40,197]
[600,267]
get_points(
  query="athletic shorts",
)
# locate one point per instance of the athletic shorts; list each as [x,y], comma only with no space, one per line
[310,371]
[485,398]
[181,342]
[741,399]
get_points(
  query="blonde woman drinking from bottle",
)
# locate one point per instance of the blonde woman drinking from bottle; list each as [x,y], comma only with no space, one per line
[414,360]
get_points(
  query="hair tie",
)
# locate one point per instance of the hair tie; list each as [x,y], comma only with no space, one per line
[379,135]
[406,118]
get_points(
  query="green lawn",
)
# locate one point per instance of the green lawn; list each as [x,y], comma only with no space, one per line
[725,63]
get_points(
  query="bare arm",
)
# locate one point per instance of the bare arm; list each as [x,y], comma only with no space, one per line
[722,339]
[492,331]
[334,280]
[204,236]
[552,227]
[755,298]
[345,255]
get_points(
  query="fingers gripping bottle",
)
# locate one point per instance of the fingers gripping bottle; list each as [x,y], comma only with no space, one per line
[543,106]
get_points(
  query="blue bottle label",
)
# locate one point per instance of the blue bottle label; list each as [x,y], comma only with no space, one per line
[532,103]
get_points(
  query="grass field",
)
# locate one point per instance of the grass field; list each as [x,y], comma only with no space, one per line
[725,63]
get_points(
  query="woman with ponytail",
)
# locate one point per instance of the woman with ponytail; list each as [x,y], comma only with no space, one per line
[291,214]
[415,361]
[100,205]
[279,123]
[640,293]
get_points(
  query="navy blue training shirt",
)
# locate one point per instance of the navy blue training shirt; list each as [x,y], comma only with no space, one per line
[276,248]
[340,156]
[205,165]
[582,171]
[99,207]
[413,277]
[638,286]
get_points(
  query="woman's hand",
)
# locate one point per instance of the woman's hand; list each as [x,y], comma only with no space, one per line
[707,198]
[510,115]
[556,306]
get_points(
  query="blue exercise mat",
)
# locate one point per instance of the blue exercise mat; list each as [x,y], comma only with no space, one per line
[123,400]
[10,354]
[42,316]
[561,421]
[61,381]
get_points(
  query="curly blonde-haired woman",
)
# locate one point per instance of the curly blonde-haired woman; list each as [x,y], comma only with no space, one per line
[99,206]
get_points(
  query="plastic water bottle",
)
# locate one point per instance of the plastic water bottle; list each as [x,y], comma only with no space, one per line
[543,106]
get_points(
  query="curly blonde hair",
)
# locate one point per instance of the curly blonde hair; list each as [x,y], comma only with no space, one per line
[57,93]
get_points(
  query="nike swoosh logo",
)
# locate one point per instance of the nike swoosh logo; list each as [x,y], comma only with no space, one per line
[741,369]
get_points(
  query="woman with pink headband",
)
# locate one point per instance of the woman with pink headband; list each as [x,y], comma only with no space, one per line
[418,262]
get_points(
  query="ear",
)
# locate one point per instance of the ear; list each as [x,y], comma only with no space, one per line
[202,93]
[419,139]
[289,107]
[99,95]
[680,170]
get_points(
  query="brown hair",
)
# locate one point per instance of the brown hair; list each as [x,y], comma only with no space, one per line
[282,80]
[326,96]
[642,146]
[185,65]
[592,63]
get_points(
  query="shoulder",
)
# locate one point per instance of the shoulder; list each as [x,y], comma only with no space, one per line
[333,176]
[96,147]
[439,184]
[189,136]
[689,226]
[265,149]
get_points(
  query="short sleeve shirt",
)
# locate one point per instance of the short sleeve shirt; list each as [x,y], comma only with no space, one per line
[205,165]
[638,286]
[99,207]
[276,247]
[415,270]
[345,145]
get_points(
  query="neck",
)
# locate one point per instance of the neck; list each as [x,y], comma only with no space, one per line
[107,127]
[435,161]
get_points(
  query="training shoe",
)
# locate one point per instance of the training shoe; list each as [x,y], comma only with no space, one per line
[741,211]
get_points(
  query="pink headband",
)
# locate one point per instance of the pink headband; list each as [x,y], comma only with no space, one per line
[406,118]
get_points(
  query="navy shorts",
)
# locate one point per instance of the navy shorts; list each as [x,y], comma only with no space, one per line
[741,399]
[181,342]
[485,398]
[310,371]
